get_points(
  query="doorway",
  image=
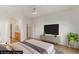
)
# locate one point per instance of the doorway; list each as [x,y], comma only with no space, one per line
[14,30]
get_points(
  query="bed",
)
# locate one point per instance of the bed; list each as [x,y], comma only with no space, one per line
[30,46]
[49,48]
[33,46]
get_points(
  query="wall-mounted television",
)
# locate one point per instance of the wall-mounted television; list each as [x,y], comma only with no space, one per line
[51,29]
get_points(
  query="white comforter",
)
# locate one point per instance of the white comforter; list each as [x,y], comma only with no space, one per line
[24,48]
[47,46]
[28,50]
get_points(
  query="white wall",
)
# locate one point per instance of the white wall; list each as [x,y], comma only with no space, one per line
[68,21]
[23,26]
[4,30]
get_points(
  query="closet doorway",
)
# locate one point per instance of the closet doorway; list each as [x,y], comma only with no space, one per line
[14,30]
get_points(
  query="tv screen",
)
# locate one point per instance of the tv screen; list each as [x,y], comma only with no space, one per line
[51,29]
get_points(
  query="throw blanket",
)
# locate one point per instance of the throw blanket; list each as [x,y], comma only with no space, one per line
[39,49]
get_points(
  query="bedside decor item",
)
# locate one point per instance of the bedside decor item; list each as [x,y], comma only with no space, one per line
[72,38]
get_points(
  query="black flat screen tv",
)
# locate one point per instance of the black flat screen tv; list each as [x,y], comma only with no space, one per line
[51,29]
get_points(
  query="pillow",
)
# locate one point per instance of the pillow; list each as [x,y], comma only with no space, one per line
[9,48]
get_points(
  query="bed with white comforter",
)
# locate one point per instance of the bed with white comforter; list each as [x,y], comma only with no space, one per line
[49,48]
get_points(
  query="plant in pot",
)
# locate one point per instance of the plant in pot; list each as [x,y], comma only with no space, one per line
[72,37]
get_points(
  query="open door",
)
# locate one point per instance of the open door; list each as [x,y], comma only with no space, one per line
[14,30]
[15,37]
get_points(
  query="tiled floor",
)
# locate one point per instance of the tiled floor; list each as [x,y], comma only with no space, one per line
[66,50]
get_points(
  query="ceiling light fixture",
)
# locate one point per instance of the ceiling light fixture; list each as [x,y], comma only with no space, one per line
[34,11]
